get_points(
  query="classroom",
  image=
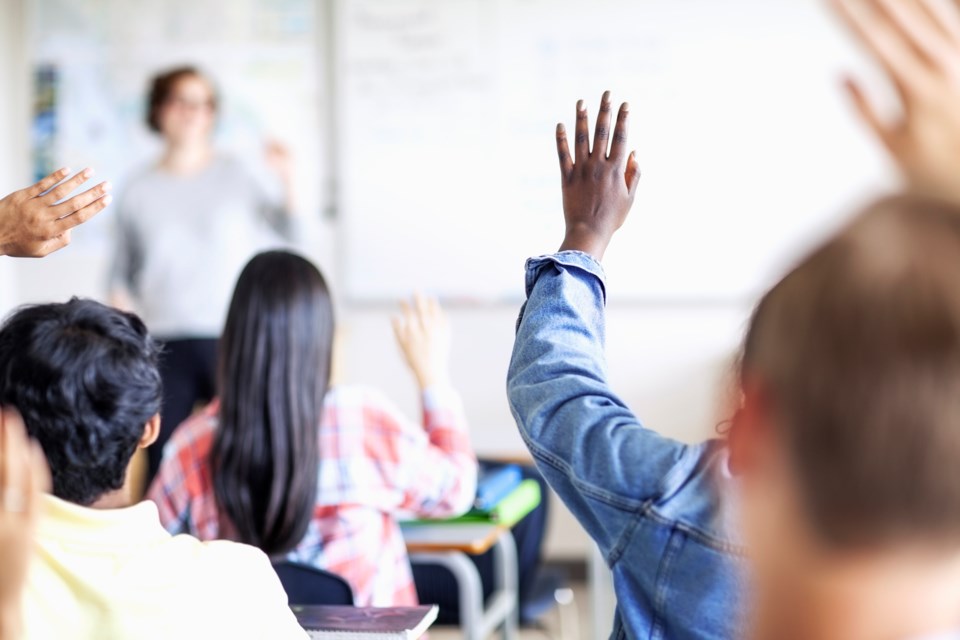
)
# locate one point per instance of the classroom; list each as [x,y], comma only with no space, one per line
[480,318]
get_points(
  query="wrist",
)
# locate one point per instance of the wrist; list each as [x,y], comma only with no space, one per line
[586,241]
[429,379]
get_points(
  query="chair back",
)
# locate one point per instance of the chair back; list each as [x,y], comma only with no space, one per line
[307,585]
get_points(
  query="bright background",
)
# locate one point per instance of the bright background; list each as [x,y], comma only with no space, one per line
[422,132]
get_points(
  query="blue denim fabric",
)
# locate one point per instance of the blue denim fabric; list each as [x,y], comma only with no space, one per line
[661,511]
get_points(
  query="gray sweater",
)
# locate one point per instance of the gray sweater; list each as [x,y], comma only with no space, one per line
[182,241]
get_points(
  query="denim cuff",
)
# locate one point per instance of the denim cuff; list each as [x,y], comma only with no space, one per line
[575,260]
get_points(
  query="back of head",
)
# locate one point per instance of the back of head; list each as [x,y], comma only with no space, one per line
[858,351]
[84,376]
[275,357]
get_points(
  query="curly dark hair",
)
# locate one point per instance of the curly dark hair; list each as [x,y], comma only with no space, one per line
[84,376]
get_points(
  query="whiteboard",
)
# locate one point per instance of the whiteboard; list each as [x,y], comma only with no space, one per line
[446,158]
[261,54]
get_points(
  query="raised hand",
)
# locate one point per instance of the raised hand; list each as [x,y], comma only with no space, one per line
[917,43]
[23,476]
[423,333]
[598,188]
[33,221]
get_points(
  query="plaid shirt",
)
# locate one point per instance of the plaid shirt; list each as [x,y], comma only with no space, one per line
[375,466]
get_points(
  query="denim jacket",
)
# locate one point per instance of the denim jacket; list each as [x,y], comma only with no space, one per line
[660,511]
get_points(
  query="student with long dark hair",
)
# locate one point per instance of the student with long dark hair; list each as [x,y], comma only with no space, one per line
[307,472]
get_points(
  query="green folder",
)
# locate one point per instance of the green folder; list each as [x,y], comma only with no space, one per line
[512,509]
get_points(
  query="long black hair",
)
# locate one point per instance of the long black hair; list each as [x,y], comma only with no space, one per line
[274,371]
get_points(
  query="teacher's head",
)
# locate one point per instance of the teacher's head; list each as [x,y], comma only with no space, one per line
[182,106]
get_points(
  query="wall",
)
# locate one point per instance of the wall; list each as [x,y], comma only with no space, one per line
[13,118]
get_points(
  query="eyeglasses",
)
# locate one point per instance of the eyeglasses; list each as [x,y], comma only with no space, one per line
[181,102]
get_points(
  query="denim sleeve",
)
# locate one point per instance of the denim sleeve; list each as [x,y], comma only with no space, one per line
[591,448]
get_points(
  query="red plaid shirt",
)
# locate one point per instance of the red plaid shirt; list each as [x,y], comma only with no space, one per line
[375,466]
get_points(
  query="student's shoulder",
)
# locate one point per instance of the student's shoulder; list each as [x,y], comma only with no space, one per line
[234,570]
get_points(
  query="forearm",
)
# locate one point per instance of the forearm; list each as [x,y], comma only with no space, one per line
[558,359]
[452,486]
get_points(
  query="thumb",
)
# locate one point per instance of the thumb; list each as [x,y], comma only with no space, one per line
[632,174]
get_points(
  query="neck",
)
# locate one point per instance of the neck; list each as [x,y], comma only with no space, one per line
[119,499]
[906,594]
[187,157]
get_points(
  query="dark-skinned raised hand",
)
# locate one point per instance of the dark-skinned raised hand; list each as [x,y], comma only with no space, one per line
[599,184]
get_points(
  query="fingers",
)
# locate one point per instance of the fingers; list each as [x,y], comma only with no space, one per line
[619,147]
[914,26]
[632,174]
[601,137]
[83,206]
[4,449]
[40,480]
[423,310]
[24,472]
[66,187]
[406,314]
[946,15]
[882,40]
[563,153]
[868,114]
[581,143]
[47,183]
[13,459]
[399,326]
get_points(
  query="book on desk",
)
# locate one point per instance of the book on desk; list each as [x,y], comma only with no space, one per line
[494,484]
[365,623]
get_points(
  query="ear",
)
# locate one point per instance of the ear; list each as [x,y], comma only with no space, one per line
[750,434]
[151,431]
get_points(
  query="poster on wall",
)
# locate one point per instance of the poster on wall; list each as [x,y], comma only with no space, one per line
[93,61]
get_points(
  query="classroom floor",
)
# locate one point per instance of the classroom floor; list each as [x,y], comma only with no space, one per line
[580,609]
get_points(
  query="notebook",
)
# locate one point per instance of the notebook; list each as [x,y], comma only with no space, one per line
[365,623]
[513,508]
[516,506]
[494,485]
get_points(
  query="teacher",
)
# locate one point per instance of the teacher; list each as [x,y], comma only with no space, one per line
[187,224]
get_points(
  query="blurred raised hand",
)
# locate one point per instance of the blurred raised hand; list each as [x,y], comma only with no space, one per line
[917,44]
[35,223]
[23,477]
[423,334]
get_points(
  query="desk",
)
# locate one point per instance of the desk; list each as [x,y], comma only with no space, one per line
[448,545]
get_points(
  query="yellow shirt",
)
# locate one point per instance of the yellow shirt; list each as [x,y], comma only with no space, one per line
[111,574]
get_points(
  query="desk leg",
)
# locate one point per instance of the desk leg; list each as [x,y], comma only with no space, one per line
[468,583]
[505,561]
[602,597]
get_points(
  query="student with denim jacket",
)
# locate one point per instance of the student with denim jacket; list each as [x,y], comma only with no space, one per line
[657,508]
[842,456]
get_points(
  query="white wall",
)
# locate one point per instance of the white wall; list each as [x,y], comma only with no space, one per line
[13,119]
